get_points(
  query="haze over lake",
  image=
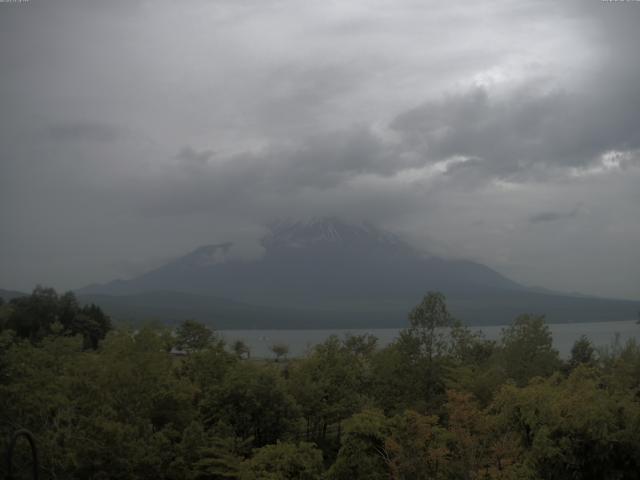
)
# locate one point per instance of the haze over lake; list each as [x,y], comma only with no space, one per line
[601,334]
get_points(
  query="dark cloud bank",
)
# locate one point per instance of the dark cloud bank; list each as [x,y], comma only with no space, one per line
[121,146]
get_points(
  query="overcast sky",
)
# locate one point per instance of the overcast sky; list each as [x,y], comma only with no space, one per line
[506,132]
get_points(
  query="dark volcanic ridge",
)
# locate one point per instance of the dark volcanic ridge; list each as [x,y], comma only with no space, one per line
[322,258]
[327,273]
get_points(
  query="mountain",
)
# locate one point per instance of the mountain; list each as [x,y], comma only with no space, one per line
[327,273]
[316,260]
[7,295]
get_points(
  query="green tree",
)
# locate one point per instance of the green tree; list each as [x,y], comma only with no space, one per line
[280,350]
[241,349]
[527,349]
[621,366]
[477,450]
[427,321]
[362,449]
[206,369]
[573,428]
[400,376]
[470,348]
[417,447]
[412,372]
[474,364]
[582,352]
[284,461]
[193,336]
[33,315]
[92,323]
[361,345]
[5,314]
[328,387]
[44,311]
[206,454]
[253,400]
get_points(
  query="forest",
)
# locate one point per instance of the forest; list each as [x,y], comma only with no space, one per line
[440,402]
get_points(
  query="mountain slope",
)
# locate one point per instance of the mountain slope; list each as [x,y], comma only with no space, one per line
[7,295]
[328,273]
[323,258]
[485,309]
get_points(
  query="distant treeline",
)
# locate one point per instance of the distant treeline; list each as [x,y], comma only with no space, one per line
[440,402]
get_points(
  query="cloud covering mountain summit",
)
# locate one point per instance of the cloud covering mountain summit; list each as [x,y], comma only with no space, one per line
[455,124]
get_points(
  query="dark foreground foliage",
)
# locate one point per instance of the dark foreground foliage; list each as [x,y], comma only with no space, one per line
[438,403]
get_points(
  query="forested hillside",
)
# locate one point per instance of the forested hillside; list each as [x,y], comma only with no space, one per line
[438,403]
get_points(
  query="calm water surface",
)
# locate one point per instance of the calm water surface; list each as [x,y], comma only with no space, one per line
[300,342]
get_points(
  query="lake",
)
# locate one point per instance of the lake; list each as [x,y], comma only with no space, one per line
[301,341]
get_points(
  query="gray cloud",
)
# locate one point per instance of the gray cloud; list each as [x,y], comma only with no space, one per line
[526,131]
[84,131]
[552,216]
[192,156]
[472,129]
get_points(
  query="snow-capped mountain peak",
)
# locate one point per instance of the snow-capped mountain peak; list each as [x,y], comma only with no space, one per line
[207,255]
[331,232]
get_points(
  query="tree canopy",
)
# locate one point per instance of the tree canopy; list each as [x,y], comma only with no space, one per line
[44,313]
[440,402]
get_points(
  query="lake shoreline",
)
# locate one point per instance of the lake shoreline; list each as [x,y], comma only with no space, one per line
[301,341]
